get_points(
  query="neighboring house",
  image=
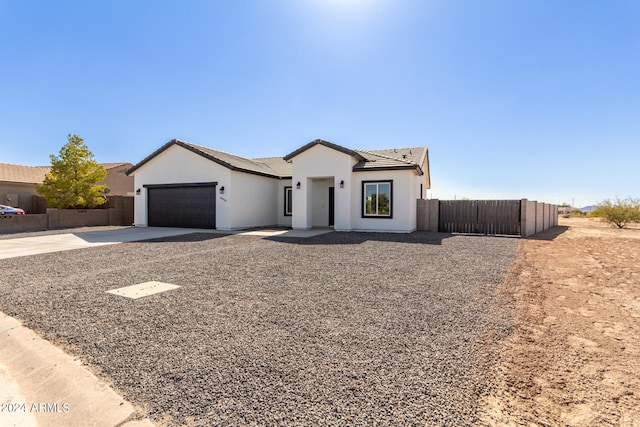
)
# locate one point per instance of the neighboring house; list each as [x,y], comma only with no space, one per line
[117,180]
[18,184]
[564,210]
[319,185]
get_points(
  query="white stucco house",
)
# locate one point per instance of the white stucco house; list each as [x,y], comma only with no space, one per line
[318,185]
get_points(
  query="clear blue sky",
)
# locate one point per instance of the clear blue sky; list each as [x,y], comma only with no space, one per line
[531,99]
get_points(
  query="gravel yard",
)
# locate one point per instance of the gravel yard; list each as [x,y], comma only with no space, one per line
[338,329]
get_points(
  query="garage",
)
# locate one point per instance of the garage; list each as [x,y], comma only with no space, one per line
[182,205]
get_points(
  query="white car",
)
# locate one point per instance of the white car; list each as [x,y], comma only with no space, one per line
[8,210]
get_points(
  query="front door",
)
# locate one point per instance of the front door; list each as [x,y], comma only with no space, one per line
[331,206]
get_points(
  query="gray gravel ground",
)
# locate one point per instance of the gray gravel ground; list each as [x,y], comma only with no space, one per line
[339,329]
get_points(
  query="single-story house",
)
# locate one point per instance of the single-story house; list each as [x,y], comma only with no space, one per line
[18,184]
[565,210]
[318,185]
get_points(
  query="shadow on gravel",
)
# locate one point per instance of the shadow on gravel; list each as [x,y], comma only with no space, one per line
[193,237]
[549,234]
[356,238]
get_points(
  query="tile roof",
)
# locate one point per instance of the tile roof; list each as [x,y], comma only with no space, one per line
[396,158]
[35,174]
[265,167]
[109,166]
[280,167]
[23,174]
[270,166]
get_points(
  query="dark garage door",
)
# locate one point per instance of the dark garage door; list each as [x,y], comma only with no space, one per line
[182,205]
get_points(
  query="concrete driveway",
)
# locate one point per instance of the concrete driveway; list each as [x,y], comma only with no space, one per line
[24,246]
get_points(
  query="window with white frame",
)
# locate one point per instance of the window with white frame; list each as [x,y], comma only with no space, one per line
[288,201]
[377,199]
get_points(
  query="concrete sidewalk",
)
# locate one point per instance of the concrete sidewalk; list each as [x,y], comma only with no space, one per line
[24,246]
[43,386]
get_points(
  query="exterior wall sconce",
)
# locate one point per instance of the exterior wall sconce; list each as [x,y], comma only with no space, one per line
[342,184]
[298,185]
[138,192]
[222,190]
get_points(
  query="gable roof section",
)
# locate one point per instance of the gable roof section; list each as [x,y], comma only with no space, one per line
[327,144]
[391,159]
[272,167]
[415,158]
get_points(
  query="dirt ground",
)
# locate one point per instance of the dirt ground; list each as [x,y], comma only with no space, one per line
[574,356]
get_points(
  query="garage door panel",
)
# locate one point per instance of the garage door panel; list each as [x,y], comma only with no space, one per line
[182,206]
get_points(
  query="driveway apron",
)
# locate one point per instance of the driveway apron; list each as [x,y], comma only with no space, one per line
[24,246]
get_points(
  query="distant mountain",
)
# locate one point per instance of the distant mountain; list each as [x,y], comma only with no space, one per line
[588,209]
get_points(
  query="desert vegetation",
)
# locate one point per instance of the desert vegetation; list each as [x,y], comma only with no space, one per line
[619,212]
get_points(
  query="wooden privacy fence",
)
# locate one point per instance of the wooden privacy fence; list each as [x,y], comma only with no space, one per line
[509,217]
[479,216]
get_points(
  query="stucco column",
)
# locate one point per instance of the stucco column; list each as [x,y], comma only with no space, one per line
[342,204]
[300,218]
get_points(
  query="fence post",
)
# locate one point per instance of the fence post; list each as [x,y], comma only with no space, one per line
[53,218]
[523,218]
[434,214]
[422,219]
[546,220]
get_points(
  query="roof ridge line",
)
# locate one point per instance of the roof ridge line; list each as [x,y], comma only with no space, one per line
[224,152]
[269,157]
[214,149]
[206,151]
[23,166]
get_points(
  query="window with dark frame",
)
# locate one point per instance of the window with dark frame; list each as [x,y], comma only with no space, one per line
[288,201]
[377,199]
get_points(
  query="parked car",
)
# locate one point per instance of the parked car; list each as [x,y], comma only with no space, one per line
[8,210]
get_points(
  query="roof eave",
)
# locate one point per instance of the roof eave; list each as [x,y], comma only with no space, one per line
[236,169]
[198,152]
[426,162]
[416,168]
[151,156]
